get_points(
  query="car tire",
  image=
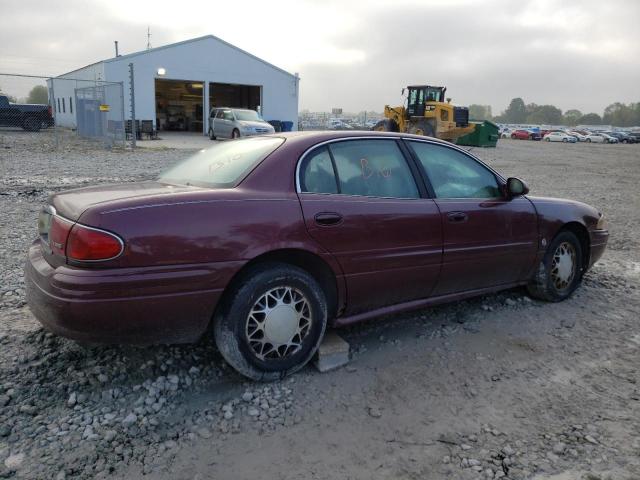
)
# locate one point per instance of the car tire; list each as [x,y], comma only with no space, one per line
[588,140]
[513,137]
[241,328]
[556,279]
[386,125]
[547,139]
[564,140]
[31,124]
[235,134]
[211,134]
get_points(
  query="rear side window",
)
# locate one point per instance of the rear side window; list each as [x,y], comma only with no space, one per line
[317,174]
[223,165]
[373,168]
[454,174]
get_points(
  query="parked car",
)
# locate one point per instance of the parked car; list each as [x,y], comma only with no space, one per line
[525,135]
[31,117]
[622,137]
[227,122]
[579,136]
[635,136]
[559,137]
[272,239]
[609,138]
[506,133]
[596,138]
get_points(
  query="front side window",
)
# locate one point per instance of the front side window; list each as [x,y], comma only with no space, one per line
[373,168]
[454,174]
[219,114]
[223,165]
[228,115]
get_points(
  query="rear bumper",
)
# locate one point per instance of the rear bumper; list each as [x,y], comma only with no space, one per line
[599,239]
[132,306]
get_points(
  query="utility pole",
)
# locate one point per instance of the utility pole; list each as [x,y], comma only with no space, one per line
[148,38]
[133,107]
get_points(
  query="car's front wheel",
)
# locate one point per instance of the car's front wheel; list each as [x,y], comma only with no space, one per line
[560,271]
[235,133]
[271,323]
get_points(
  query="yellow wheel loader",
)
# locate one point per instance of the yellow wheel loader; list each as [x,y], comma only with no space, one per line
[427,113]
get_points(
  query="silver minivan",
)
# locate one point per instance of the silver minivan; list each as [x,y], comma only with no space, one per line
[227,122]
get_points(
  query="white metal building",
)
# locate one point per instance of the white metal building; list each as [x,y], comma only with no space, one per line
[176,85]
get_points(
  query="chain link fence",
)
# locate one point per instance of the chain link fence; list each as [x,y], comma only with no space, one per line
[39,111]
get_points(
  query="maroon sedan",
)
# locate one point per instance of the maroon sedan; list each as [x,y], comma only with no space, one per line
[268,240]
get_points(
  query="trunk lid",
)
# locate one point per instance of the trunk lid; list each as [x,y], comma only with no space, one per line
[72,203]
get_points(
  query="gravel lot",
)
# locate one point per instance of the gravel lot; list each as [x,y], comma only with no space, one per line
[496,387]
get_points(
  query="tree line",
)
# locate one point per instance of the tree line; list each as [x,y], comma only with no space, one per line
[618,114]
[38,94]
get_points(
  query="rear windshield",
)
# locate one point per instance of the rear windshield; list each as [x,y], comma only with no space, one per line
[223,165]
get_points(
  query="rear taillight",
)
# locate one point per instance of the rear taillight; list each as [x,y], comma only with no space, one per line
[58,233]
[87,244]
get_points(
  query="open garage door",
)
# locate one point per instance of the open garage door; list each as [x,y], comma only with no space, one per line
[179,105]
[235,96]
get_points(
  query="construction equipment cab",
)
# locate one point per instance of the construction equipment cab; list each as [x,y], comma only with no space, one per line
[427,113]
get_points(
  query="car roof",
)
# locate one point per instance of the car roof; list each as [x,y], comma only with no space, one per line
[307,139]
[233,108]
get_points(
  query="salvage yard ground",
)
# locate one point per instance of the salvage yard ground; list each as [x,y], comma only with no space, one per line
[496,387]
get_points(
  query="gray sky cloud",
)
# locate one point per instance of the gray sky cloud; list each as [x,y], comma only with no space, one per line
[359,54]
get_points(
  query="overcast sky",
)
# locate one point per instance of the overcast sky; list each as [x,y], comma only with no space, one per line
[359,54]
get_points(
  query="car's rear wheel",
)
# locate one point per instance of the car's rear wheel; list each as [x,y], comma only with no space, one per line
[565,140]
[547,139]
[560,271]
[271,323]
[211,134]
[31,124]
[235,133]
[588,140]
[513,136]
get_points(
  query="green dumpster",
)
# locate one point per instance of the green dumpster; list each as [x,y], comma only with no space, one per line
[485,135]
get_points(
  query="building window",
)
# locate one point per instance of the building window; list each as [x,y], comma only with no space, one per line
[70,105]
[64,110]
[58,104]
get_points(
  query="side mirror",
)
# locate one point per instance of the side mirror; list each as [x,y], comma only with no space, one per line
[516,187]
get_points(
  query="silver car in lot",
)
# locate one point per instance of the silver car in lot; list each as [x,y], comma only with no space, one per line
[235,123]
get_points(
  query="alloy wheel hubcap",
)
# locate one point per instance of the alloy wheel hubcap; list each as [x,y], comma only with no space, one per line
[563,266]
[278,323]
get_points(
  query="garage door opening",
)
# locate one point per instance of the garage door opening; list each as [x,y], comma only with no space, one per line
[179,105]
[235,96]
